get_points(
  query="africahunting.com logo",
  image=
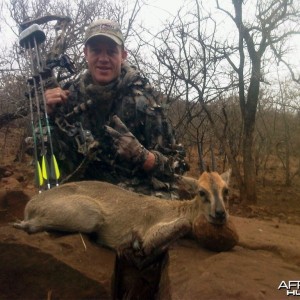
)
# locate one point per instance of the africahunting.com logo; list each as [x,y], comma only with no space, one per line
[292,287]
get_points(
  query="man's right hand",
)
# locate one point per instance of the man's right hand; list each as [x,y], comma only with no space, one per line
[55,96]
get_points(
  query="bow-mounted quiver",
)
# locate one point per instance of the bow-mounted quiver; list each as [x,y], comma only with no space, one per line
[55,56]
[42,76]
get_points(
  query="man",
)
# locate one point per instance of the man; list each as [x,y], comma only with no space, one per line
[109,124]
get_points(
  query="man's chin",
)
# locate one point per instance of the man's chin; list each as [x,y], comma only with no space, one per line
[102,76]
[103,80]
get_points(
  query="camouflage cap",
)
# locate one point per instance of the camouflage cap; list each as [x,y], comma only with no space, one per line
[106,28]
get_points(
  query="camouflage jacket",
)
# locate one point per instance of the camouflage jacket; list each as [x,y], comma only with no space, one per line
[85,152]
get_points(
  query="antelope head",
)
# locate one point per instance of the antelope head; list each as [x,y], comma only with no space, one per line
[213,191]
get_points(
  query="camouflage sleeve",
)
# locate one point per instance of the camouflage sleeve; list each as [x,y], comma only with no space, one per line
[160,139]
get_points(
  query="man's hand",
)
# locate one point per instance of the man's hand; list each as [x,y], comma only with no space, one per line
[55,96]
[128,147]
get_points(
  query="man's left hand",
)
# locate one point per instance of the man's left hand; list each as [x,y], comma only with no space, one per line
[126,144]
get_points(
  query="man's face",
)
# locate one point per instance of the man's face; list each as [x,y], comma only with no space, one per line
[104,58]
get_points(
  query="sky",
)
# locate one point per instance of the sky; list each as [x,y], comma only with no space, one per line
[160,10]
[157,11]
[155,14]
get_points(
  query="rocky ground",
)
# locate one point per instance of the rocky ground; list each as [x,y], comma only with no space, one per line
[53,266]
[60,266]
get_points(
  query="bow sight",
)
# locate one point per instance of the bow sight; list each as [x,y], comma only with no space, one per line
[55,56]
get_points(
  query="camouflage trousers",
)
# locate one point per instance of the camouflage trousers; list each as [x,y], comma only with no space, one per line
[183,188]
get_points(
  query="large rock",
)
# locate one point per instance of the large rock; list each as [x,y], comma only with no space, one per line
[61,266]
[215,237]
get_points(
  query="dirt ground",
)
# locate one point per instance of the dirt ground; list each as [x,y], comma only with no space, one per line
[48,266]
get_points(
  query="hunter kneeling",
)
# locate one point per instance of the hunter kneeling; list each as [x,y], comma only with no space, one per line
[110,124]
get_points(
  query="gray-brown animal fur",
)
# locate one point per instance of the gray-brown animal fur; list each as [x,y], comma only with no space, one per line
[121,218]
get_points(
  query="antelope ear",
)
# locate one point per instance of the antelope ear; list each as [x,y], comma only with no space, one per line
[226,176]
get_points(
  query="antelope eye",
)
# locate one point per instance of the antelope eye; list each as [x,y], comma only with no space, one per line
[202,193]
[226,192]
[204,196]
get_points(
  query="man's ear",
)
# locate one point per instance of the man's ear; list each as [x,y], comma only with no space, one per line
[124,54]
[85,51]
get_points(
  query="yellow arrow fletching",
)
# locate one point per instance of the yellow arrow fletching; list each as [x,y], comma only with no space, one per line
[45,168]
[54,166]
[39,175]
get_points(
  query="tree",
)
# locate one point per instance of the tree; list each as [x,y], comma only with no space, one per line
[268,31]
[212,79]
[211,67]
